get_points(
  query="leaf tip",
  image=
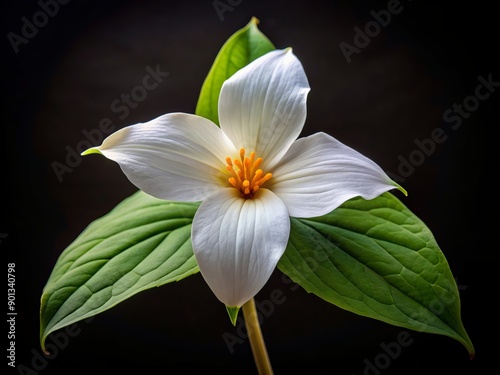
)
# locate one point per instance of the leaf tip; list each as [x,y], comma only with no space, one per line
[470,348]
[233,313]
[42,345]
[254,21]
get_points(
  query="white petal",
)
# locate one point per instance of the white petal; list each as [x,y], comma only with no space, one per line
[319,173]
[262,107]
[175,156]
[238,242]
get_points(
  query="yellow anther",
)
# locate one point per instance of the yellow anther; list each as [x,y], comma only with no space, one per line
[233,182]
[257,176]
[257,163]
[264,179]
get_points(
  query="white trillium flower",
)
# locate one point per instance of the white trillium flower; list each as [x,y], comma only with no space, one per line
[252,173]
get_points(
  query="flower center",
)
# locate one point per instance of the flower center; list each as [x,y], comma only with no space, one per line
[245,174]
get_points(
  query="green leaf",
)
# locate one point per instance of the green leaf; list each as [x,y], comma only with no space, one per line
[240,49]
[377,259]
[142,243]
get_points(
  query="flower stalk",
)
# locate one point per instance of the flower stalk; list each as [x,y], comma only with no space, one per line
[257,343]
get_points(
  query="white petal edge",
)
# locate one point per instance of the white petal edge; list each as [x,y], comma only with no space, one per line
[176,156]
[262,107]
[238,243]
[319,173]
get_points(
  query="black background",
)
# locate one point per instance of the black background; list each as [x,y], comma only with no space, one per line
[393,92]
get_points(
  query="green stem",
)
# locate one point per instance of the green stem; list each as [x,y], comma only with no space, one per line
[256,339]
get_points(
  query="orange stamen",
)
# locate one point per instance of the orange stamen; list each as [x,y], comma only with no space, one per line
[245,174]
